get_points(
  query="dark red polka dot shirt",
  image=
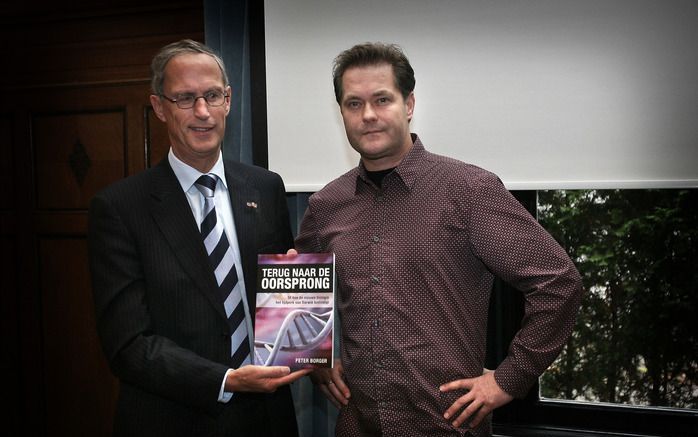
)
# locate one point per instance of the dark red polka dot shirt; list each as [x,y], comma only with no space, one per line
[415,264]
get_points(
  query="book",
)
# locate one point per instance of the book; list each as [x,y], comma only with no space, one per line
[294,316]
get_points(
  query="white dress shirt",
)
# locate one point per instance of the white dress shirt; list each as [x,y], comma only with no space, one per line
[187,176]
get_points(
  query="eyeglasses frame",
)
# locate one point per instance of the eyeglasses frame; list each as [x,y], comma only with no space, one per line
[171,100]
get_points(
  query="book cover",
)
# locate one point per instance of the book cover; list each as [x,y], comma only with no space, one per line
[294,318]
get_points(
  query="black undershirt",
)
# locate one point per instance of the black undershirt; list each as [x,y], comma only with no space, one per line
[377,176]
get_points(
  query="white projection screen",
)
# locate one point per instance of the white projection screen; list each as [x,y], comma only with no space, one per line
[548,94]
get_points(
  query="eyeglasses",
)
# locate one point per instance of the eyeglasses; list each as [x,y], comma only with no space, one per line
[187,101]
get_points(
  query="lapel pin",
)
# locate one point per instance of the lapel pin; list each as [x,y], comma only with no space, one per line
[252,205]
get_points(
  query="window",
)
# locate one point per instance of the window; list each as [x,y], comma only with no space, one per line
[635,341]
[631,364]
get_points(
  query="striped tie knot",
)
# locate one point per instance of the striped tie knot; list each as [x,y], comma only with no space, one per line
[206,184]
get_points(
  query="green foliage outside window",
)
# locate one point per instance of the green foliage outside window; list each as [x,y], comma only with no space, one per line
[636,337]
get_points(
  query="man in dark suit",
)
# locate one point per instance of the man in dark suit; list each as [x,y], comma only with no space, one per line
[173,255]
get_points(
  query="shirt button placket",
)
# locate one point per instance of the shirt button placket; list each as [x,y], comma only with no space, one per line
[375,323]
[378,341]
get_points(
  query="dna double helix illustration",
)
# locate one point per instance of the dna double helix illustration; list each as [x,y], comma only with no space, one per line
[300,330]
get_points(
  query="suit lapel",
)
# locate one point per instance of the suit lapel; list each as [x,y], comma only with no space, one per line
[172,213]
[244,198]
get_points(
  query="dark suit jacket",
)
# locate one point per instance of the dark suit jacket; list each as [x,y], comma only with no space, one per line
[161,323]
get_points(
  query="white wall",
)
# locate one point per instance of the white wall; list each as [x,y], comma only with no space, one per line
[545,93]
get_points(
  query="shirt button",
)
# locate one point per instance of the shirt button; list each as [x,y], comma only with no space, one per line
[376,323]
[375,279]
[376,239]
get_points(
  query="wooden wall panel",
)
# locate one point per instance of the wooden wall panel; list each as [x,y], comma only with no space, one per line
[88,137]
[80,75]
[80,390]
[67,42]
[77,154]
[110,123]
[157,141]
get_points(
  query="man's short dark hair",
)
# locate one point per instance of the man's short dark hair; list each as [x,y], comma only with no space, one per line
[372,54]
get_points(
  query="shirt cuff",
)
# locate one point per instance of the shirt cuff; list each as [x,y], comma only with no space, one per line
[513,380]
[224,396]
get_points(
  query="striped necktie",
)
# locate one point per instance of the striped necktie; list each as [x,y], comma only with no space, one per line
[220,255]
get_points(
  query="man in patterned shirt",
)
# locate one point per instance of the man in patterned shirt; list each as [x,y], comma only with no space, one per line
[419,239]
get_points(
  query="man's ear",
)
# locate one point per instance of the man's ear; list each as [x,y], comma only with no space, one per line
[409,103]
[229,92]
[156,102]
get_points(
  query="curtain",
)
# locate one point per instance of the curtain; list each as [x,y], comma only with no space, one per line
[227,31]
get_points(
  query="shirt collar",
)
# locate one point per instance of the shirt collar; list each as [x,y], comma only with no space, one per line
[407,170]
[187,175]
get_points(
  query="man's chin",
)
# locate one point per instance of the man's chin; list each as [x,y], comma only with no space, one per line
[205,145]
[371,148]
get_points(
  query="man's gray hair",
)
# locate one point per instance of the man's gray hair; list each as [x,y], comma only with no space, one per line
[157,66]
